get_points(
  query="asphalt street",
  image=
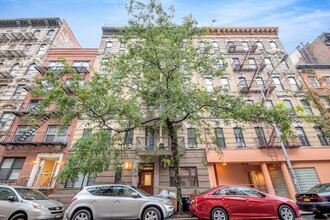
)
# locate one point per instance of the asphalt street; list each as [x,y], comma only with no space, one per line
[310,217]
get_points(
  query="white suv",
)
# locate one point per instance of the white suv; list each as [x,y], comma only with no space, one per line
[22,203]
[117,201]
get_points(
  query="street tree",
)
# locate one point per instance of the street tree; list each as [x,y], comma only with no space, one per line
[160,72]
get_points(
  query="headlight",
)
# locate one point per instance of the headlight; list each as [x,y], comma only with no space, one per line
[166,202]
[40,207]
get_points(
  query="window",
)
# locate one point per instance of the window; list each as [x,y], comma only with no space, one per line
[314,82]
[325,101]
[2,89]
[33,105]
[14,69]
[245,46]
[321,137]
[11,168]
[50,33]
[42,49]
[278,84]
[215,46]
[228,191]
[260,45]
[220,64]
[231,47]
[269,104]
[46,86]
[27,47]
[242,83]
[81,181]
[236,63]
[37,33]
[239,137]
[122,46]
[248,192]
[307,109]
[209,84]
[129,138]
[284,65]
[327,81]
[21,131]
[192,142]
[288,104]
[87,132]
[119,171]
[260,82]
[260,136]
[273,45]
[249,101]
[252,63]
[3,120]
[55,65]
[302,137]
[188,176]
[219,137]
[104,64]
[294,85]
[269,64]
[150,142]
[30,69]
[81,66]
[18,92]
[108,46]
[55,134]
[225,84]
[5,193]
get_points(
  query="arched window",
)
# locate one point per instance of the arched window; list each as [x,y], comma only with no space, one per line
[14,68]
[30,69]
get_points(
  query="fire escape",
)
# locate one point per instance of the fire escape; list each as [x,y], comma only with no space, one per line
[255,65]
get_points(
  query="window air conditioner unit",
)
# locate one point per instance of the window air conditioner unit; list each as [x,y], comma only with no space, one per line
[192,146]
[128,146]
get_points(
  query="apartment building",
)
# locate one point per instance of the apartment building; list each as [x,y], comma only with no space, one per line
[24,45]
[259,70]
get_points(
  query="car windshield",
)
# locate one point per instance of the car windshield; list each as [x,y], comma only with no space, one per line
[141,191]
[320,188]
[30,194]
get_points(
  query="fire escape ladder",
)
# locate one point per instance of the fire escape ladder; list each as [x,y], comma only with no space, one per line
[31,130]
[271,151]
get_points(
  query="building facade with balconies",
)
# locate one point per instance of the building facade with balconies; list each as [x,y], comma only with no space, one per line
[24,45]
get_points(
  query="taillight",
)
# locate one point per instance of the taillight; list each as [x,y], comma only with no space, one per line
[298,197]
[72,201]
[317,198]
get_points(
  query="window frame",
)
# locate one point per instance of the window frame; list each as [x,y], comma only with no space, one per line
[314,82]
[42,49]
[219,139]
[225,86]
[31,68]
[191,177]
[239,137]
[293,83]
[12,167]
[3,119]
[306,106]
[260,136]
[302,136]
[18,91]
[321,137]
[58,134]
[192,137]
[279,86]
[209,83]
[20,131]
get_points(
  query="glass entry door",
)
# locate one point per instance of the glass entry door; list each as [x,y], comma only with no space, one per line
[44,177]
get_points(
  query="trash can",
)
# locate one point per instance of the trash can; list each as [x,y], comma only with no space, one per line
[185,203]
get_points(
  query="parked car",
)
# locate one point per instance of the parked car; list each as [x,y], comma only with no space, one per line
[22,203]
[117,201]
[316,200]
[239,202]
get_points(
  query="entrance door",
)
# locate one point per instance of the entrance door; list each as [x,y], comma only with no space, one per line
[146,178]
[45,174]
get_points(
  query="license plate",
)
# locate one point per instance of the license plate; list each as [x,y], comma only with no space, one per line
[307,199]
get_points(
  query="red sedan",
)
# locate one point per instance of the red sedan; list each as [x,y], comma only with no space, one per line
[239,202]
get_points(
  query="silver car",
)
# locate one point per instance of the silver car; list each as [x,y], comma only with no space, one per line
[22,203]
[117,201]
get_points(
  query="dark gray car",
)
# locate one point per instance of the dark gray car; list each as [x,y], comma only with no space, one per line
[22,203]
[117,201]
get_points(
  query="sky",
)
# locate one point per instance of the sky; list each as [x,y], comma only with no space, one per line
[298,20]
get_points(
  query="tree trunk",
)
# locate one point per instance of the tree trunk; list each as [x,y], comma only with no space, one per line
[175,160]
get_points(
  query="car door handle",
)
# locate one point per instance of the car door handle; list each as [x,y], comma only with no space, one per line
[117,201]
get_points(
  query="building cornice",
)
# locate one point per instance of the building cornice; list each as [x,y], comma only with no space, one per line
[243,30]
[30,22]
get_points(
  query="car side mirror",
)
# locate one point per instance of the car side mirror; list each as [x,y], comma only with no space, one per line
[135,195]
[11,198]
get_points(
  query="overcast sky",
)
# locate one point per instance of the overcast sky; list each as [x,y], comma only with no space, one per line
[298,20]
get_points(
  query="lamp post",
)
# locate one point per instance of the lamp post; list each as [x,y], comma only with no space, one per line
[279,133]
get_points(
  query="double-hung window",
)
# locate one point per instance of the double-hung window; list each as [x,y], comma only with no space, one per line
[307,109]
[302,136]
[209,84]
[269,64]
[21,133]
[11,168]
[192,141]
[314,82]
[321,137]
[42,49]
[128,141]
[293,83]
[3,120]
[239,137]
[56,134]
[18,92]
[108,46]
[225,84]
[278,84]
[215,46]
[260,136]
[188,177]
[219,138]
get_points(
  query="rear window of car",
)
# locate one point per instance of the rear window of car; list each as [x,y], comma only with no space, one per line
[320,188]
[30,194]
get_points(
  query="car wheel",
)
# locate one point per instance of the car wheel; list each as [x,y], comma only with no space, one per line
[151,213]
[82,214]
[19,216]
[286,213]
[219,214]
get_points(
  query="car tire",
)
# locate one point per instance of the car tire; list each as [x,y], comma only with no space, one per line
[219,214]
[151,213]
[19,216]
[82,214]
[285,212]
